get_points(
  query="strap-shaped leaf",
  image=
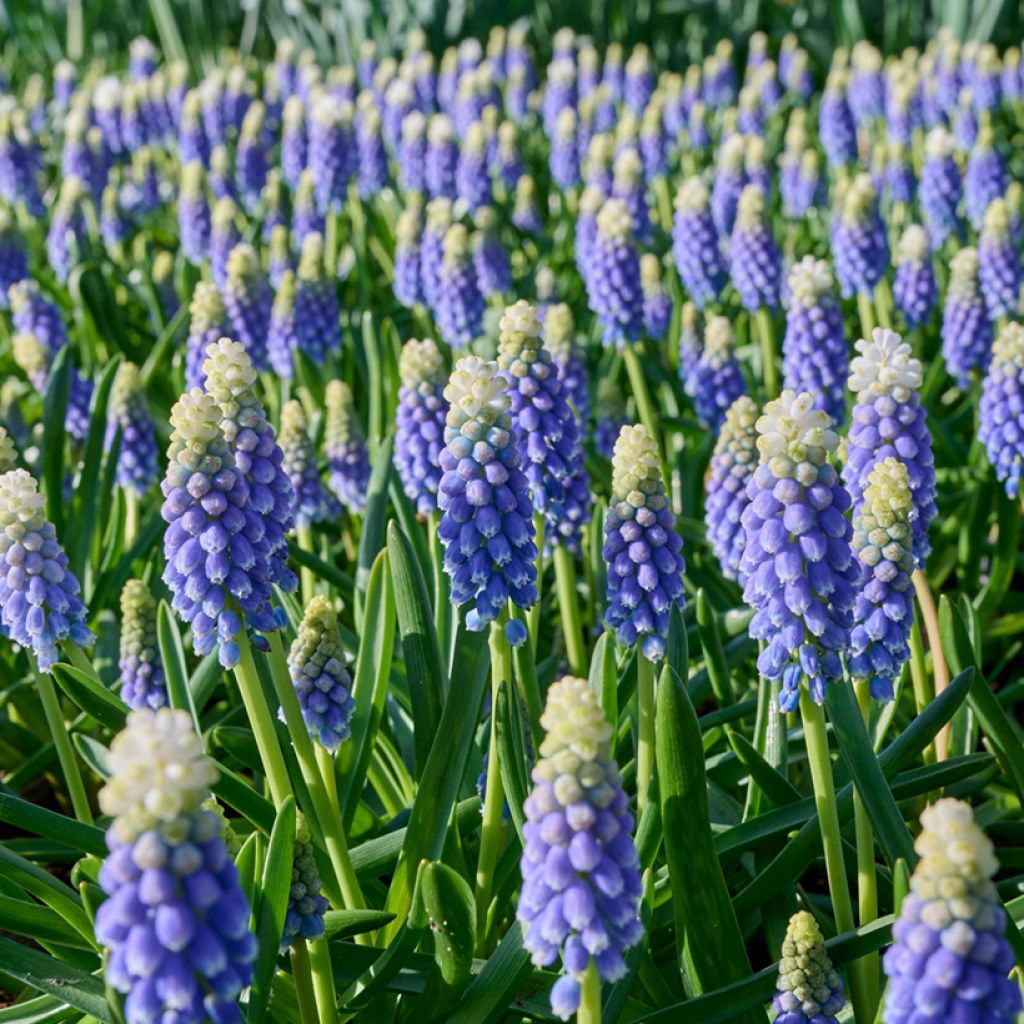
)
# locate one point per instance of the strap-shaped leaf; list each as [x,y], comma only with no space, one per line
[44,973]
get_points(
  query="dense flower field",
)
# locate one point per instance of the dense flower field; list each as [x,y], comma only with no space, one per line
[505,535]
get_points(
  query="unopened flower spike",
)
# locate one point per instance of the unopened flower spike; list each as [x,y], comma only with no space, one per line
[914,289]
[143,684]
[1001,427]
[313,503]
[967,332]
[809,989]
[714,380]
[128,412]
[345,447]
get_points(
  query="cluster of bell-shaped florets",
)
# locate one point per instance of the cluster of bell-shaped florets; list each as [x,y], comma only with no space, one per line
[859,247]
[143,684]
[612,275]
[695,246]
[460,304]
[809,989]
[208,323]
[348,461]
[487,521]
[966,326]
[999,265]
[641,546]
[798,565]
[914,289]
[581,874]
[304,916]
[313,503]
[39,603]
[714,379]
[1001,426]
[129,413]
[950,960]
[176,921]
[755,263]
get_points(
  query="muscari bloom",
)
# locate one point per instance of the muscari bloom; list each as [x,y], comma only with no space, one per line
[412,153]
[914,289]
[695,249]
[33,313]
[490,258]
[313,504]
[641,547]
[35,360]
[487,517]
[439,219]
[814,350]
[129,413]
[306,216]
[798,566]
[248,302]
[809,989]
[114,225]
[39,603]
[714,380]
[460,305]
[441,158]
[345,447]
[472,182]
[966,325]
[282,335]
[859,246]
[730,179]
[999,266]
[725,488]
[406,282]
[1001,428]
[176,920]
[279,254]
[193,214]
[985,179]
[614,291]
[755,263]
[657,303]
[142,673]
[373,173]
[564,158]
[421,415]
[332,151]
[889,421]
[835,122]
[224,236]
[67,227]
[950,960]
[13,258]
[560,341]
[219,174]
[294,141]
[940,187]
[304,917]
[208,323]
[525,214]
[317,319]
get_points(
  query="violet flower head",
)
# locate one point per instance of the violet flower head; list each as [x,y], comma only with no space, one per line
[472,181]
[294,142]
[525,214]
[332,151]
[192,141]
[460,305]
[560,341]
[889,421]
[695,247]
[638,85]
[859,246]
[715,380]
[439,219]
[490,258]
[598,163]
[628,186]
[914,288]
[657,303]
[730,179]
[999,265]
[815,356]
[248,302]
[373,172]
[408,231]
[941,188]
[306,216]
[208,323]
[985,179]
[345,447]
[798,566]
[755,263]
[33,313]
[835,122]
[900,185]
[966,325]
[313,504]
[614,291]
[283,332]
[866,93]
[412,152]
[441,158]
[67,228]
[564,157]
[114,227]
[40,605]
[950,959]
[809,989]
[317,318]
[128,412]
[559,92]
[304,917]
[1001,427]
[193,214]
[219,174]
[13,257]
[581,874]
[224,236]
[508,157]
[487,517]
[143,684]
[35,359]
[252,161]
[733,462]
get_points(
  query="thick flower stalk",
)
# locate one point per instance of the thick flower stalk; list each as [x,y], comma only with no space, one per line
[715,379]
[460,305]
[421,416]
[949,959]
[725,488]
[143,684]
[490,258]
[1001,428]
[657,302]
[304,917]
[941,187]
[128,412]
[914,289]
[797,563]
[487,522]
[883,611]
[815,356]
[208,323]
[966,325]
[316,663]
[614,290]
[345,448]
[176,921]
[407,285]
[641,546]
[581,875]
[695,246]
[999,266]
[985,178]
[859,247]
[313,504]
[755,263]
[889,421]
[809,989]
[39,603]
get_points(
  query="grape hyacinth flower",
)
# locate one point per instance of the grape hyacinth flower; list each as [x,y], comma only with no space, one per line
[641,547]
[889,421]
[283,332]
[730,179]
[67,228]
[472,182]
[690,343]
[176,921]
[251,159]
[373,158]
[657,303]
[219,174]
[999,266]
[581,874]
[835,122]
[294,141]
[142,673]
[224,236]
[412,153]
[966,324]
[193,144]
[313,504]
[755,263]
[940,187]
[208,323]
[798,566]
[114,225]
[406,283]
[441,158]
[129,413]
[1001,427]
[163,284]
[628,186]
[345,448]
[695,249]
[39,603]
[815,356]
[715,380]
[439,220]
[985,179]
[614,291]
[508,158]
[809,989]
[460,306]
[899,184]
[487,517]
[332,152]
[13,257]
[304,916]
[564,154]
[490,259]
[950,959]
[914,289]
[193,214]
[306,217]
[248,302]
[35,360]
[560,341]
[525,214]
[859,246]
[421,416]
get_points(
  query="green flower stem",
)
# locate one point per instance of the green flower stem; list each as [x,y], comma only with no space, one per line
[644,729]
[533,616]
[304,535]
[323,980]
[568,605]
[327,815]
[62,743]
[867,313]
[766,335]
[820,762]
[262,723]
[528,684]
[664,202]
[331,243]
[442,591]
[867,879]
[131,517]
[303,978]
[590,997]
[494,795]
[638,382]
[924,692]
[940,670]
[76,657]
[884,303]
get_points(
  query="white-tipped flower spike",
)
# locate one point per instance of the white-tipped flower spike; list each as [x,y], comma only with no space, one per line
[142,675]
[1001,427]
[8,455]
[950,960]
[810,990]
[345,447]
[313,504]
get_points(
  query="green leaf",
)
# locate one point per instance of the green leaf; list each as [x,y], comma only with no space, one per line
[273,904]
[709,942]
[604,679]
[234,792]
[714,653]
[343,924]
[37,922]
[44,973]
[775,786]
[55,408]
[43,822]
[512,754]
[93,753]
[371,540]
[324,570]
[420,649]
[501,979]
[172,656]
[86,693]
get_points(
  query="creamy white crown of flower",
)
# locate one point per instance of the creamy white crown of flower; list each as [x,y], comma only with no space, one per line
[573,720]
[1008,349]
[311,257]
[635,464]
[591,199]
[629,168]
[106,94]
[294,112]
[857,198]
[223,213]
[7,452]
[565,124]
[938,144]
[228,369]
[719,338]
[791,427]
[952,844]
[614,221]
[243,261]
[220,161]
[293,419]
[476,387]
[456,242]
[750,209]
[20,500]
[439,129]
[195,419]
[754,157]
[963,268]
[884,365]
[518,323]
[30,353]
[732,151]
[421,362]
[414,126]
[887,495]
[692,196]
[997,218]
[126,387]
[559,329]
[913,245]
[650,273]
[409,226]
[158,772]
[439,214]
[809,280]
